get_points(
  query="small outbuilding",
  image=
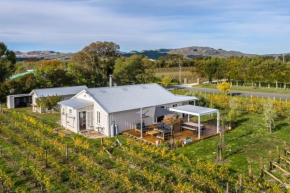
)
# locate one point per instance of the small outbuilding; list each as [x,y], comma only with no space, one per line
[18,101]
[64,92]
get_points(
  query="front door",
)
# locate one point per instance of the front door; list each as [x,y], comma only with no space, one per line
[82,120]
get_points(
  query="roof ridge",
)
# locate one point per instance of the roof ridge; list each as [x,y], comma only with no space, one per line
[58,87]
[123,86]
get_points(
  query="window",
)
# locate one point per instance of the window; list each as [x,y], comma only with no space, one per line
[98,117]
[175,105]
[166,107]
[70,111]
[90,118]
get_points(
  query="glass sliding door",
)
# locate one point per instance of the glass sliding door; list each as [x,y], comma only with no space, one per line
[82,120]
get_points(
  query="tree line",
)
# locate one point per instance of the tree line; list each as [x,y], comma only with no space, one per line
[94,63]
[254,71]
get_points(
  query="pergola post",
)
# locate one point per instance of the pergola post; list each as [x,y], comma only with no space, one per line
[188,117]
[194,102]
[198,126]
[218,122]
[141,116]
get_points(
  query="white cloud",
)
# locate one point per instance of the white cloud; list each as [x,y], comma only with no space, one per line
[236,25]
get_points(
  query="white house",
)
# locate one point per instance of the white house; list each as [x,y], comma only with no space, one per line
[64,92]
[99,108]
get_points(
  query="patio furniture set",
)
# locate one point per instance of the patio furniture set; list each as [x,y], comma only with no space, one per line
[161,131]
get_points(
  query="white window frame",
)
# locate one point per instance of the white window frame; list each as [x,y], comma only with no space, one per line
[70,111]
[89,119]
[98,117]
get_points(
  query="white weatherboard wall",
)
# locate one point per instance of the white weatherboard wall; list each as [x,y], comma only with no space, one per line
[10,105]
[104,122]
[127,119]
[69,120]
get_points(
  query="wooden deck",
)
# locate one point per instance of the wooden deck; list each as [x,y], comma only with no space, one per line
[210,130]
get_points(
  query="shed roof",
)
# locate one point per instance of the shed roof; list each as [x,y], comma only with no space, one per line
[123,98]
[21,74]
[194,110]
[60,91]
[76,103]
[18,95]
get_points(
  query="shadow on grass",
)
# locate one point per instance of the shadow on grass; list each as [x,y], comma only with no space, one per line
[238,137]
[241,121]
[233,153]
[280,126]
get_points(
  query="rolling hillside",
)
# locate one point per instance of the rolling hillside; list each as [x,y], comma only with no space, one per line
[188,52]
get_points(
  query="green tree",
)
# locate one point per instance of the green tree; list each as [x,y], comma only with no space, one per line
[7,62]
[208,68]
[133,70]
[269,114]
[166,81]
[171,60]
[233,113]
[94,63]
[53,77]
[48,102]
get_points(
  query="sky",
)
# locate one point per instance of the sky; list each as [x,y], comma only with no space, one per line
[249,26]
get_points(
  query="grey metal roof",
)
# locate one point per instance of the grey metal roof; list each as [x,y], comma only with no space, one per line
[76,103]
[154,112]
[18,95]
[123,98]
[194,110]
[60,91]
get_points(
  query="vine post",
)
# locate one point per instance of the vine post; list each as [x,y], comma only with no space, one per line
[285,148]
[262,167]
[271,160]
[250,174]
[66,152]
[278,154]
[45,155]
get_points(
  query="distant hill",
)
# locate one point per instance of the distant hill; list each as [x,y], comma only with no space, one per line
[188,52]
[43,55]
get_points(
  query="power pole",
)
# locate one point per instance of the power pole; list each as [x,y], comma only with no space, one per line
[179,72]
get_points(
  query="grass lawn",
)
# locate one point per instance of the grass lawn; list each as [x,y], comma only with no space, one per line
[249,88]
[47,118]
[246,143]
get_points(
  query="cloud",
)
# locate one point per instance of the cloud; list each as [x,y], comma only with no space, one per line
[69,25]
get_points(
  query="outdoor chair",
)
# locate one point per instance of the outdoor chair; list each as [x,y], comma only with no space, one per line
[165,130]
[138,127]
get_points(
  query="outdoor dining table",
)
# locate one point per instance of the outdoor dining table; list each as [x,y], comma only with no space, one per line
[192,124]
[152,132]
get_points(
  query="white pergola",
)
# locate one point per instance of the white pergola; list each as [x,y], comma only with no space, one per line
[197,111]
